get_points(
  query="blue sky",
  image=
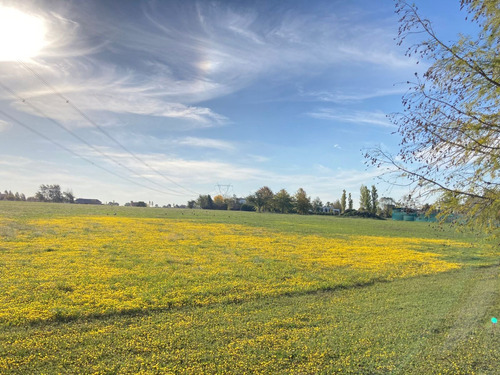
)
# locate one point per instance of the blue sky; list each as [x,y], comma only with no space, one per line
[164,100]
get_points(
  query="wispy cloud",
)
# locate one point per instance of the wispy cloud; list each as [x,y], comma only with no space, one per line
[356,117]
[154,68]
[14,161]
[206,143]
[198,173]
[258,158]
[93,107]
[341,97]
[195,175]
[164,66]
[105,91]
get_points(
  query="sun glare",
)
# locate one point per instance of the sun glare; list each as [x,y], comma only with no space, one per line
[22,36]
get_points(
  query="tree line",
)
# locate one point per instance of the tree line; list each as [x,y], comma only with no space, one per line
[46,193]
[265,200]
[8,195]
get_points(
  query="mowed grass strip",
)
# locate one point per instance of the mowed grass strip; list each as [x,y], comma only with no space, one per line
[72,267]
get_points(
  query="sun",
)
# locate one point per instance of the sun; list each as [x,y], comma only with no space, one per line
[22,36]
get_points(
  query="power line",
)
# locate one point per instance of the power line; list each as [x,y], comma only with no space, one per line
[67,101]
[58,124]
[224,189]
[74,153]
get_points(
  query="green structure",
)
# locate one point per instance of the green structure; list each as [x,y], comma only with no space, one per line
[402,214]
[397,214]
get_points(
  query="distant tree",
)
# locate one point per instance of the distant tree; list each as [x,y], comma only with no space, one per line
[365,202]
[49,193]
[9,196]
[205,202]
[409,203]
[55,194]
[283,201]
[343,201]
[230,203]
[386,206]
[233,203]
[317,205]
[210,202]
[68,197]
[374,196]
[219,203]
[262,199]
[337,205]
[191,204]
[267,196]
[252,201]
[302,202]
[218,199]
[350,203]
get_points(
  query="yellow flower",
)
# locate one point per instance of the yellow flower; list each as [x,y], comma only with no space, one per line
[68,267]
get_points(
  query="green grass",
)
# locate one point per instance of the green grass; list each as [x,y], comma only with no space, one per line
[422,325]
[312,224]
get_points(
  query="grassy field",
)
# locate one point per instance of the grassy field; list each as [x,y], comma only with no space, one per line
[96,289]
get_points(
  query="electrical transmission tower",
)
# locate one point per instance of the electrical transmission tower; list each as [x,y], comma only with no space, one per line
[224,189]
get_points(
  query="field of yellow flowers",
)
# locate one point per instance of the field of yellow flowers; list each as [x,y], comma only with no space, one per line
[184,294]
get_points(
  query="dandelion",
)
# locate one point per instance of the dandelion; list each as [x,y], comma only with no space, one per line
[78,266]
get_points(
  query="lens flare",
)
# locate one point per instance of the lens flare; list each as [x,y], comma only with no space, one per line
[22,36]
